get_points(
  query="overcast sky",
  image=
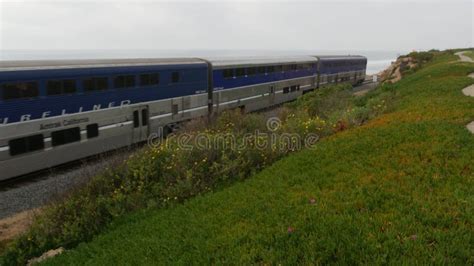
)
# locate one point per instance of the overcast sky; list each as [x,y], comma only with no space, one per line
[322,25]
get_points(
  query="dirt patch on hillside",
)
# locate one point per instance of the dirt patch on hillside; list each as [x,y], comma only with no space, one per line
[395,71]
[15,225]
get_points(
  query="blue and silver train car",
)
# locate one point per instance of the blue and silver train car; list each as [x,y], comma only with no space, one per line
[53,112]
[256,83]
[335,69]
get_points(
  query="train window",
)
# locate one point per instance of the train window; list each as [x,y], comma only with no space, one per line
[293,67]
[279,68]
[286,68]
[95,84]
[261,70]
[136,119]
[26,144]
[66,136]
[20,90]
[69,86]
[130,81]
[145,117]
[228,73]
[18,146]
[293,88]
[56,87]
[251,71]
[92,131]
[121,82]
[286,90]
[102,83]
[239,72]
[149,79]
[175,77]
[270,69]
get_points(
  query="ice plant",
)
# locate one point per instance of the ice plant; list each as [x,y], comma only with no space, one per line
[290,230]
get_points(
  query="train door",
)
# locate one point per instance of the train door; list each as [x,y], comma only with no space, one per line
[185,105]
[176,106]
[271,93]
[217,100]
[141,120]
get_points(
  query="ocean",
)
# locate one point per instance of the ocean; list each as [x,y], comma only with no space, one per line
[377,60]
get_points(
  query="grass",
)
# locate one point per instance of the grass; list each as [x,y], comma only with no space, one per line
[371,206]
[3,246]
[398,189]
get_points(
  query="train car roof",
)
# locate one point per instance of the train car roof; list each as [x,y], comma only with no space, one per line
[339,57]
[217,62]
[222,62]
[88,63]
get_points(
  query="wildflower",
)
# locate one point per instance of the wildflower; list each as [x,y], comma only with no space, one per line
[312,201]
[290,230]
[413,237]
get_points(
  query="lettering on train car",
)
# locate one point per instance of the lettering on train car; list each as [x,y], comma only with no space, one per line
[75,121]
[67,122]
[50,125]
[45,114]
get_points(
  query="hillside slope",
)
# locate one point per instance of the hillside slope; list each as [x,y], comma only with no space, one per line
[399,188]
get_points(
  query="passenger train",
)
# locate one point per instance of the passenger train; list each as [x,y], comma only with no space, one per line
[57,111]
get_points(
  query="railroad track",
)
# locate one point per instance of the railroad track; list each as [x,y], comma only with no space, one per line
[61,169]
[37,189]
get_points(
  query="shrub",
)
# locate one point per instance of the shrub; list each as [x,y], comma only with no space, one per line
[421,57]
